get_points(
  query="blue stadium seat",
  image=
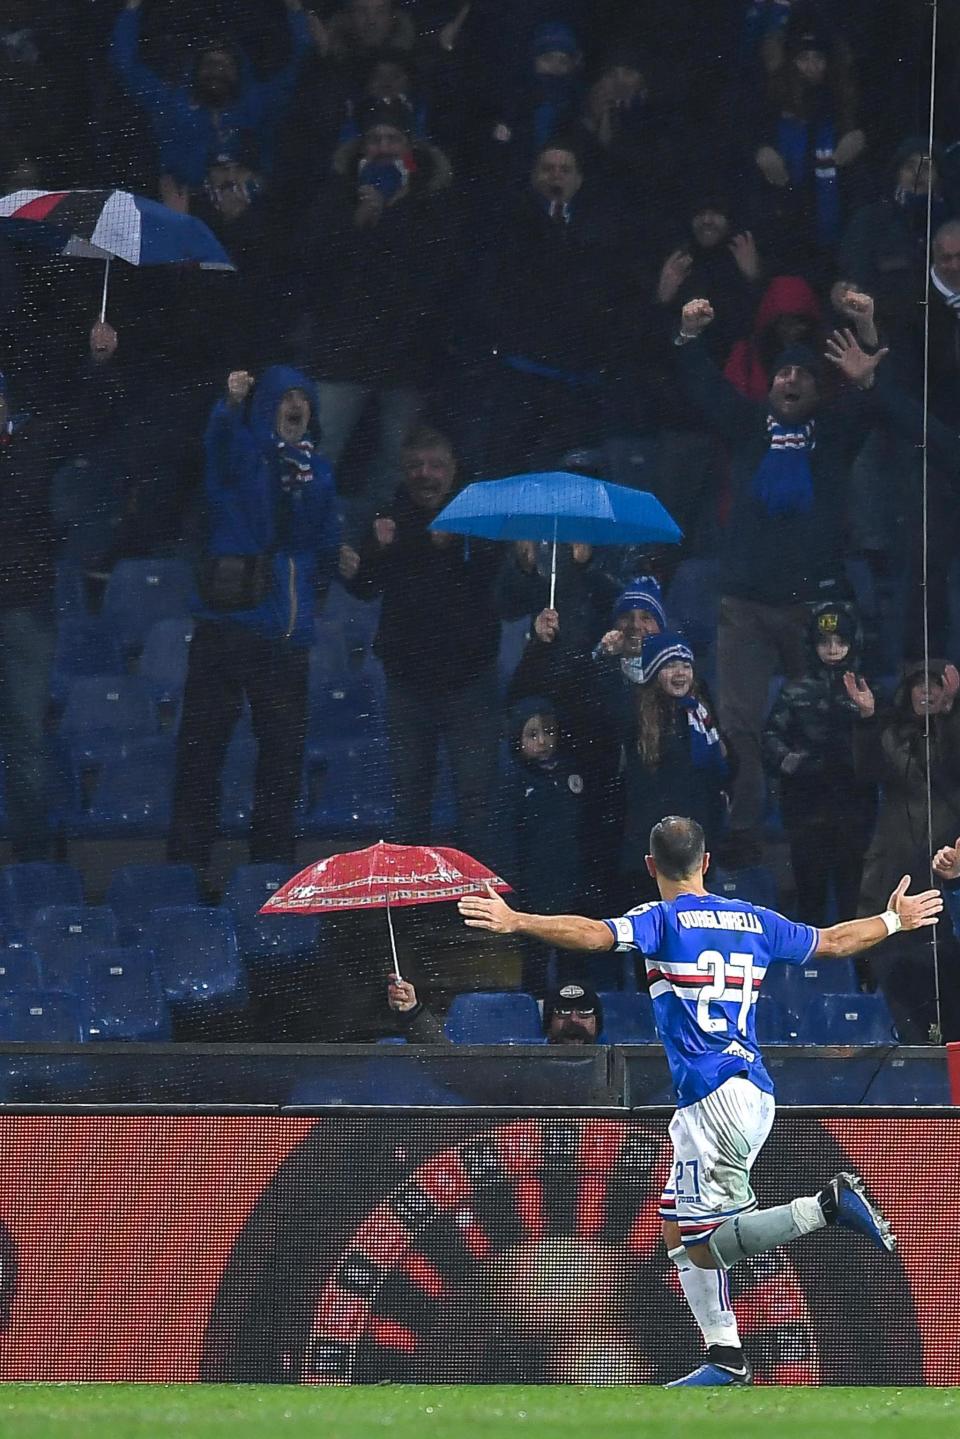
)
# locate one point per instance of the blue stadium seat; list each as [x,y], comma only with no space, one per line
[136,890]
[19,971]
[494,1017]
[121,998]
[62,934]
[611,971]
[41,1016]
[69,592]
[797,984]
[627,1018]
[755,884]
[197,958]
[847,1019]
[348,789]
[141,592]
[328,653]
[266,939]
[132,794]
[350,706]
[105,714]
[776,1022]
[914,1082]
[164,658]
[26,888]
[84,647]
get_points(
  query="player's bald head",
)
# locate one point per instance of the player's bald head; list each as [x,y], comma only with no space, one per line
[677,847]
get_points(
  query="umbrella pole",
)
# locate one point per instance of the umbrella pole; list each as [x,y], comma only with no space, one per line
[553,567]
[106,287]
[393,944]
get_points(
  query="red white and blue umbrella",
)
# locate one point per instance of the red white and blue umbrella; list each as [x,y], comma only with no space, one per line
[111,224]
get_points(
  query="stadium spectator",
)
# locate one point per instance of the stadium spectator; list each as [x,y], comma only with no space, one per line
[828,813]
[675,761]
[362,27]
[810,141]
[546,101]
[884,246]
[890,749]
[193,121]
[586,588]
[572,1014]
[383,226]
[539,815]
[712,258]
[551,296]
[271,551]
[438,638]
[788,314]
[783,547]
[26,624]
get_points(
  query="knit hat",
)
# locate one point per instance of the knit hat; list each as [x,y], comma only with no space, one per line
[800,355]
[398,114]
[663,649]
[525,709]
[642,593]
[569,997]
[554,35]
[834,622]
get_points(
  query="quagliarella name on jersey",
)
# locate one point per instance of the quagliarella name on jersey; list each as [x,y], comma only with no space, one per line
[736,919]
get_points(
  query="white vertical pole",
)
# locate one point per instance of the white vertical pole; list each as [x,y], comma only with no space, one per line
[106,287]
[393,943]
[553,567]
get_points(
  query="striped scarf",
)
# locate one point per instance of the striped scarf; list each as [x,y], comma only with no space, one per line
[783,482]
[705,750]
[296,465]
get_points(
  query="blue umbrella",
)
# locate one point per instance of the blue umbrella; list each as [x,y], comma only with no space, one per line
[558,507]
[108,224]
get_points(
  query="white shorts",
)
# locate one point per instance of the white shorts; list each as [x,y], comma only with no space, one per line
[715,1143]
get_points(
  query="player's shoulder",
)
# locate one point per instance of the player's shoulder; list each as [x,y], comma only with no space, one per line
[641,922]
[645,908]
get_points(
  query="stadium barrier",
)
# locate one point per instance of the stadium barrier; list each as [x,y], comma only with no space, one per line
[367,1245]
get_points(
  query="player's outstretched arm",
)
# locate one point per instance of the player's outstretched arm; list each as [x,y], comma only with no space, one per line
[904,911]
[567,931]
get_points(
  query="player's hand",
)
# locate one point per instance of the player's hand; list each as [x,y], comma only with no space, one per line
[861,694]
[401,995]
[916,911]
[695,316]
[488,912]
[946,862]
[546,626]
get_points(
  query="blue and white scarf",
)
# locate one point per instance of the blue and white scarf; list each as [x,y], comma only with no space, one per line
[705,748]
[296,465]
[783,482]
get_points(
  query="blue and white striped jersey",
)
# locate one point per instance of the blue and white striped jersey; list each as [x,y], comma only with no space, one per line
[706,958]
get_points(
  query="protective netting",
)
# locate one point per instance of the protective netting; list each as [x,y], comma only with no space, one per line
[275,284]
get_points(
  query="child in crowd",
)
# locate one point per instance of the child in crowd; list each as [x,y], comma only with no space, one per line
[674,760]
[828,813]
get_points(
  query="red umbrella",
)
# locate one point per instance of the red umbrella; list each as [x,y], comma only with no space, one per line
[383,876]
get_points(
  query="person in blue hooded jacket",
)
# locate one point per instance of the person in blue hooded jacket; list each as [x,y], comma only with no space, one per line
[193,123]
[273,542]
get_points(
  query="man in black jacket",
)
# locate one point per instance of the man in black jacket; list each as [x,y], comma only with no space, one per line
[438,639]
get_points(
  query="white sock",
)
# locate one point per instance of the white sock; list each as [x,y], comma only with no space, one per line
[707,1291]
[765,1229]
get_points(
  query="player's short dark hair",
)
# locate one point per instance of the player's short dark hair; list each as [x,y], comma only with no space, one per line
[677,846]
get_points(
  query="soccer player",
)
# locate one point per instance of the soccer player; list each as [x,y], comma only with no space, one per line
[706,958]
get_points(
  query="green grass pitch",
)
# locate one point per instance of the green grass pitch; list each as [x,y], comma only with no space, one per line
[124,1411]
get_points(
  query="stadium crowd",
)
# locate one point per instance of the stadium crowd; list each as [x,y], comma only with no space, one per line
[679,247]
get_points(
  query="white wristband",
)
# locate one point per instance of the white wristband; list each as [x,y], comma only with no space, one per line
[892,921]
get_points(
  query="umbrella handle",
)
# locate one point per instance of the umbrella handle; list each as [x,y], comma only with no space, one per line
[106,287]
[393,944]
[553,567]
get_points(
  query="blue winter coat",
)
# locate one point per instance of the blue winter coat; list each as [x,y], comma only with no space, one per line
[245,499]
[189,134]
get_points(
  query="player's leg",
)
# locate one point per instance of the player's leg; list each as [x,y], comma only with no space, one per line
[689,1208]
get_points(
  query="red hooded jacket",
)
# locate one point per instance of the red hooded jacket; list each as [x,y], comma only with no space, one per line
[785,295]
